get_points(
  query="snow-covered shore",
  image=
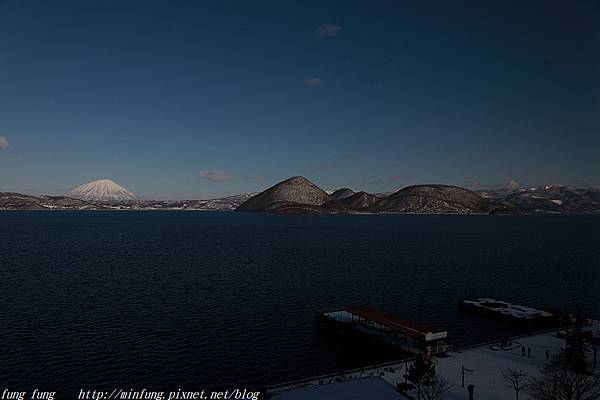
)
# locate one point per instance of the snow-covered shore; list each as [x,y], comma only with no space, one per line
[486,363]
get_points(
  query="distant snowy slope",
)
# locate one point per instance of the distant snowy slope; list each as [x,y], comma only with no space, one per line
[103,190]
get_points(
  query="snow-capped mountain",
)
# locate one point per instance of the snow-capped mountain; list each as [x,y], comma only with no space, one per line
[103,190]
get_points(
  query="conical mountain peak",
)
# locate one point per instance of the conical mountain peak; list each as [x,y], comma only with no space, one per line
[102,190]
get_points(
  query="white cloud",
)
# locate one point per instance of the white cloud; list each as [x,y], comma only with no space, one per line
[3,143]
[216,175]
[313,82]
[328,30]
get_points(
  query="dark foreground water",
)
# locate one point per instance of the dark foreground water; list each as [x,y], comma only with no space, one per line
[196,299]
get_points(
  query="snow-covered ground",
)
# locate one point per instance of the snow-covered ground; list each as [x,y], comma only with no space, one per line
[356,389]
[487,363]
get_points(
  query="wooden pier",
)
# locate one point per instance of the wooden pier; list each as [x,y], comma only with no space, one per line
[412,337]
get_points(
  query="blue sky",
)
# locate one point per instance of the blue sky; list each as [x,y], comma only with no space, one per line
[196,99]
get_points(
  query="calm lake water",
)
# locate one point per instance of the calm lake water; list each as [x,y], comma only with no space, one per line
[194,299]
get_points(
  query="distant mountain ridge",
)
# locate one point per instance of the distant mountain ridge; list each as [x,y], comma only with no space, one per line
[19,201]
[433,199]
[342,193]
[361,200]
[547,198]
[297,195]
[290,196]
[228,203]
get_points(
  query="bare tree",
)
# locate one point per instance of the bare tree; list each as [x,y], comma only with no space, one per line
[516,379]
[561,382]
[435,388]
